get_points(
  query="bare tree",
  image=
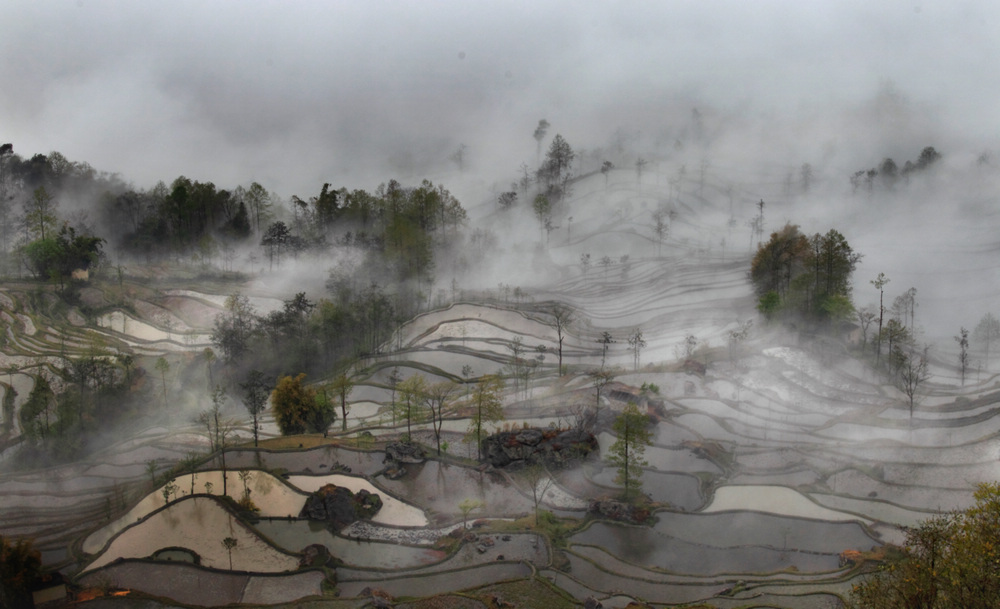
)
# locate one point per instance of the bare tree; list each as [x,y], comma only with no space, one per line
[562,317]
[255,396]
[540,481]
[606,168]
[660,229]
[637,343]
[880,283]
[605,340]
[912,374]
[506,200]
[640,166]
[865,318]
[600,380]
[539,135]
[438,397]
[963,351]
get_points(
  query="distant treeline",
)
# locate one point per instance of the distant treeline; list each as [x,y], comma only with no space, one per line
[888,173]
[191,220]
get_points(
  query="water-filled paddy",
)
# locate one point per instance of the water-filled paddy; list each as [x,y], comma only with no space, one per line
[732,542]
[440,487]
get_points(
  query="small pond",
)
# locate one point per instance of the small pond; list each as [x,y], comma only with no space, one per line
[176,555]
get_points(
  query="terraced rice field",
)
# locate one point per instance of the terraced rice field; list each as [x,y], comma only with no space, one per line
[778,458]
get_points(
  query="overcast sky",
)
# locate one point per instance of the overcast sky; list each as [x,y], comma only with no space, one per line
[293,94]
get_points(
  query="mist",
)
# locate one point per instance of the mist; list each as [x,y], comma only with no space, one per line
[713,117]
[294,96]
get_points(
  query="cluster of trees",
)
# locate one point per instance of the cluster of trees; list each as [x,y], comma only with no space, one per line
[893,331]
[400,225]
[46,244]
[806,277]
[948,561]
[299,408]
[58,257]
[986,332]
[888,173]
[307,336]
[20,567]
[552,179]
[97,391]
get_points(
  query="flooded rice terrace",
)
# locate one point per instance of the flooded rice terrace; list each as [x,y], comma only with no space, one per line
[768,464]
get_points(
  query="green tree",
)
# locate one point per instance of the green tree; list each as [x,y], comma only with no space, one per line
[36,412]
[559,157]
[947,561]
[60,254]
[467,507]
[632,430]
[487,407]
[343,385]
[40,218]
[235,327]
[255,396]
[542,208]
[412,398]
[20,564]
[297,409]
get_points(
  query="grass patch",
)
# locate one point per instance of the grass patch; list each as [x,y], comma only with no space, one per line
[532,593]
[556,529]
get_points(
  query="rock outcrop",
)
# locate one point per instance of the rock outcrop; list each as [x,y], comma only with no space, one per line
[554,448]
[404,452]
[339,506]
[618,510]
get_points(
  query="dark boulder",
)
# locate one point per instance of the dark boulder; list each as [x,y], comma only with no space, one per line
[554,448]
[618,510]
[339,507]
[404,452]
[314,555]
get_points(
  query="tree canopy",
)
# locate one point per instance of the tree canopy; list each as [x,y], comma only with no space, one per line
[808,276]
[632,429]
[948,561]
[297,408]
